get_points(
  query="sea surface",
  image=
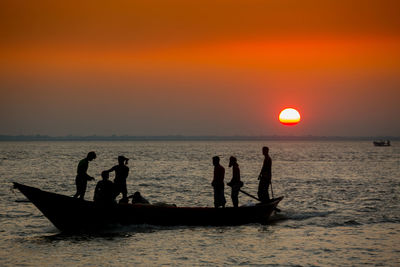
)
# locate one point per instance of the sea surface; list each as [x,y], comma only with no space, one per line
[341,205]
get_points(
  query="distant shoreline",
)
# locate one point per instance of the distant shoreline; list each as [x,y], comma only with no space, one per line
[193,138]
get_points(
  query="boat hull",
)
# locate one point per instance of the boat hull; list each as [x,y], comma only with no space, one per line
[381,143]
[72,214]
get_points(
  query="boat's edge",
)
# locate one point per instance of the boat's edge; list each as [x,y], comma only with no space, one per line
[38,196]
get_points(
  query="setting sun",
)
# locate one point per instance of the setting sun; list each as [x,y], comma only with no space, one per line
[289,116]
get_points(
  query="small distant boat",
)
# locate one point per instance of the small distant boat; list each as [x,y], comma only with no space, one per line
[382,143]
[72,214]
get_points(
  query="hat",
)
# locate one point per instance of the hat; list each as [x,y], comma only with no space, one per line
[232,161]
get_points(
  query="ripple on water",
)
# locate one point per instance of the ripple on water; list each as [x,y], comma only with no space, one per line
[340,206]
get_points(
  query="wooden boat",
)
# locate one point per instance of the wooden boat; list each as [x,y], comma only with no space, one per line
[381,143]
[72,214]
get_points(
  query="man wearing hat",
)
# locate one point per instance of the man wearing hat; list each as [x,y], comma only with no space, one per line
[121,173]
[235,183]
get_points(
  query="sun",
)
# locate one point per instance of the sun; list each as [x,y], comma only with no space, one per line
[289,116]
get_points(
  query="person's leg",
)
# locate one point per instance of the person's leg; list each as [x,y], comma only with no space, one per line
[235,198]
[216,198]
[81,185]
[222,197]
[77,181]
[267,194]
[83,189]
[77,192]
[263,192]
[260,192]
[117,190]
[219,197]
[124,191]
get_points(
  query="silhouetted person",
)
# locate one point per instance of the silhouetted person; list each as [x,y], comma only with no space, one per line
[265,176]
[218,183]
[235,183]
[138,199]
[82,177]
[121,173]
[104,191]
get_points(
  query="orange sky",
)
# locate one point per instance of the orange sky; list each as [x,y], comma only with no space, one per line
[199,68]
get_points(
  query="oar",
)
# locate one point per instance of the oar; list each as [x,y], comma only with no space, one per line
[250,195]
[244,192]
[272,191]
[22,200]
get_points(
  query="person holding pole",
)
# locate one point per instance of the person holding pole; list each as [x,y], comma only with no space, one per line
[235,183]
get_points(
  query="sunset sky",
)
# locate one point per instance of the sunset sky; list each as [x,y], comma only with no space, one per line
[199,67]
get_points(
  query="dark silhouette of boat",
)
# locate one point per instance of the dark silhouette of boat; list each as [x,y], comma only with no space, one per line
[382,143]
[72,214]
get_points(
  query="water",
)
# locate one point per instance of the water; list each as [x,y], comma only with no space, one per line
[341,205]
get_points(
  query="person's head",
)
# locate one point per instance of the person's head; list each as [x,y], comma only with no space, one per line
[105,175]
[232,161]
[122,160]
[137,198]
[265,150]
[215,160]
[91,156]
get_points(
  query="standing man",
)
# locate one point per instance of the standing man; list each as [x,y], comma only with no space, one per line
[218,183]
[121,173]
[82,177]
[235,183]
[265,177]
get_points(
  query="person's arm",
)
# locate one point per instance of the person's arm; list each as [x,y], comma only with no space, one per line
[264,169]
[261,172]
[96,190]
[127,172]
[88,177]
[213,181]
[110,170]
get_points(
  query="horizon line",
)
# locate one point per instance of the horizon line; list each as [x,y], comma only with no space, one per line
[39,137]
